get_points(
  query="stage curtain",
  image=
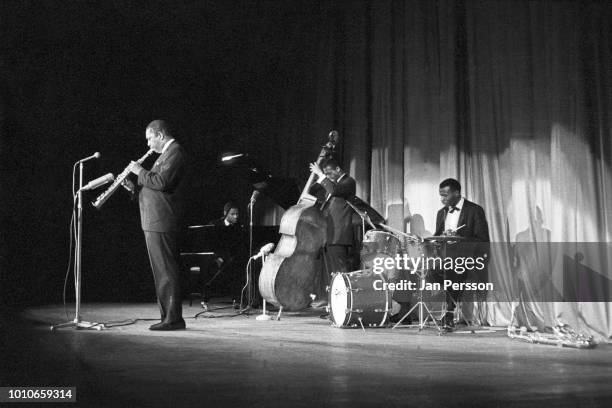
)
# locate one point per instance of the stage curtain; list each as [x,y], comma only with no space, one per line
[511,98]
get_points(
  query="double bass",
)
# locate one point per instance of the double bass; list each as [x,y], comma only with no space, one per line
[287,276]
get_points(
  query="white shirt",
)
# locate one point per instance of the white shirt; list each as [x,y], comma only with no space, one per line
[328,195]
[166,145]
[321,178]
[452,219]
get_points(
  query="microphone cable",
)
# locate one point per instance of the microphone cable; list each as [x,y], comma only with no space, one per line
[72,238]
[247,287]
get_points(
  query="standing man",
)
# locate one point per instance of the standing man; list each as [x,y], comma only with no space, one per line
[161,211]
[459,217]
[338,187]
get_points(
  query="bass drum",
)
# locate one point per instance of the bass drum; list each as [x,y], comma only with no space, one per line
[354,302]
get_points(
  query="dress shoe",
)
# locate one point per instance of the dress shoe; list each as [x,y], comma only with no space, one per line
[448,321]
[165,326]
[325,316]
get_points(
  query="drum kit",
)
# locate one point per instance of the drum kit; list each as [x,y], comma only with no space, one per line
[354,298]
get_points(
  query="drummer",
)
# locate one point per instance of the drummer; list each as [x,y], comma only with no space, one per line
[463,218]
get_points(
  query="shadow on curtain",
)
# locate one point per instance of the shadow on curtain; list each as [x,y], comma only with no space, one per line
[510,98]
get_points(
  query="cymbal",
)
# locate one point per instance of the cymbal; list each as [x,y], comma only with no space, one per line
[364,207]
[444,238]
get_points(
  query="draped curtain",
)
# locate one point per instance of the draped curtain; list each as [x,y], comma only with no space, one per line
[511,98]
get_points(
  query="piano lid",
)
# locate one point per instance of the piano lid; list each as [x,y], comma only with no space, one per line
[283,191]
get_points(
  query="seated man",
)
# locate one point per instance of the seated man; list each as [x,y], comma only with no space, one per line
[230,250]
[231,214]
[463,218]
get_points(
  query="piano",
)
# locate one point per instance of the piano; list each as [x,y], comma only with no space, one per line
[203,244]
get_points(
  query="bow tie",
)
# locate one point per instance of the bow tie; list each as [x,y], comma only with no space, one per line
[452,209]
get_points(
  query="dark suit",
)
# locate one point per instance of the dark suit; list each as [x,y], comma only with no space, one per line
[476,230]
[230,246]
[161,211]
[340,229]
[473,216]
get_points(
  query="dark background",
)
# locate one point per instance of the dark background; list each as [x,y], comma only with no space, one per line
[80,77]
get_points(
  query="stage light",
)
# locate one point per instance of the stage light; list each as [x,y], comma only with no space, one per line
[229,157]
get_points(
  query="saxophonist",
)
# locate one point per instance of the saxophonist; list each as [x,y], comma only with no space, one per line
[161,209]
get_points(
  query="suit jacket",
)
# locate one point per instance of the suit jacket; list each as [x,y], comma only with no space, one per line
[473,216]
[229,243]
[339,214]
[161,198]
[218,222]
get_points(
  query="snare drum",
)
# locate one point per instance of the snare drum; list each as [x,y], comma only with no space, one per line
[354,302]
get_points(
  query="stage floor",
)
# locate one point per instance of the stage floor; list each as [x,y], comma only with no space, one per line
[298,361]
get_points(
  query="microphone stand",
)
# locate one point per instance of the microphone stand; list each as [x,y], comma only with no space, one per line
[249,296]
[77,323]
[263,316]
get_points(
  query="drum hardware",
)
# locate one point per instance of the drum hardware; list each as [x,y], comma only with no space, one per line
[444,238]
[436,242]
[439,245]
[365,218]
[421,306]
[411,238]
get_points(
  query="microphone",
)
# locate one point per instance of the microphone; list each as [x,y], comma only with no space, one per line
[333,136]
[254,197]
[93,184]
[265,250]
[96,155]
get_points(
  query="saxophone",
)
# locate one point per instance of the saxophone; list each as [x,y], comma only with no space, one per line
[113,187]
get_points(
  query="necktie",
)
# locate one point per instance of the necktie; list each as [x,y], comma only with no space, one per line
[452,209]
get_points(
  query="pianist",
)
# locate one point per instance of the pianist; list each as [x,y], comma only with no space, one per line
[230,250]
[231,214]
